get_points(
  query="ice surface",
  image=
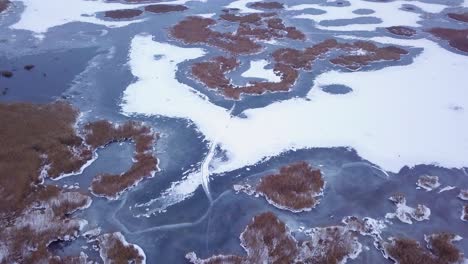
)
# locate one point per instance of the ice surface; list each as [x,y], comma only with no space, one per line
[41,15]
[391,116]
[390,13]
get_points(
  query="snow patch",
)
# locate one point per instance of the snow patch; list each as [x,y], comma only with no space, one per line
[257,70]
[428,183]
[391,14]
[447,188]
[405,213]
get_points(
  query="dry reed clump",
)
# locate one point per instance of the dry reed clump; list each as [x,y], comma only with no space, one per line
[36,138]
[266,239]
[463,17]
[296,187]
[115,249]
[250,27]
[38,141]
[4,4]
[162,8]
[409,251]
[123,13]
[197,30]
[288,61]
[457,38]
[401,31]
[101,133]
[213,74]
[6,74]
[45,218]
[355,55]
[331,245]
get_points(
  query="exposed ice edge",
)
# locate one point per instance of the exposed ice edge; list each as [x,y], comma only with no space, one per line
[43,172]
[463,214]
[389,136]
[176,193]
[447,188]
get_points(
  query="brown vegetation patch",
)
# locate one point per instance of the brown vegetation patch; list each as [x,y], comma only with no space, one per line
[6,74]
[123,13]
[250,27]
[254,18]
[366,53]
[428,182]
[401,31]
[38,141]
[264,26]
[441,245]
[4,4]
[36,137]
[296,187]
[165,8]
[101,133]
[287,63]
[212,74]
[29,67]
[267,5]
[303,59]
[196,30]
[356,55]
[331,245]
[457,38]
[45,218]
[115,249]
[463,17]
[266,239]
[111,186]
[408,251]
